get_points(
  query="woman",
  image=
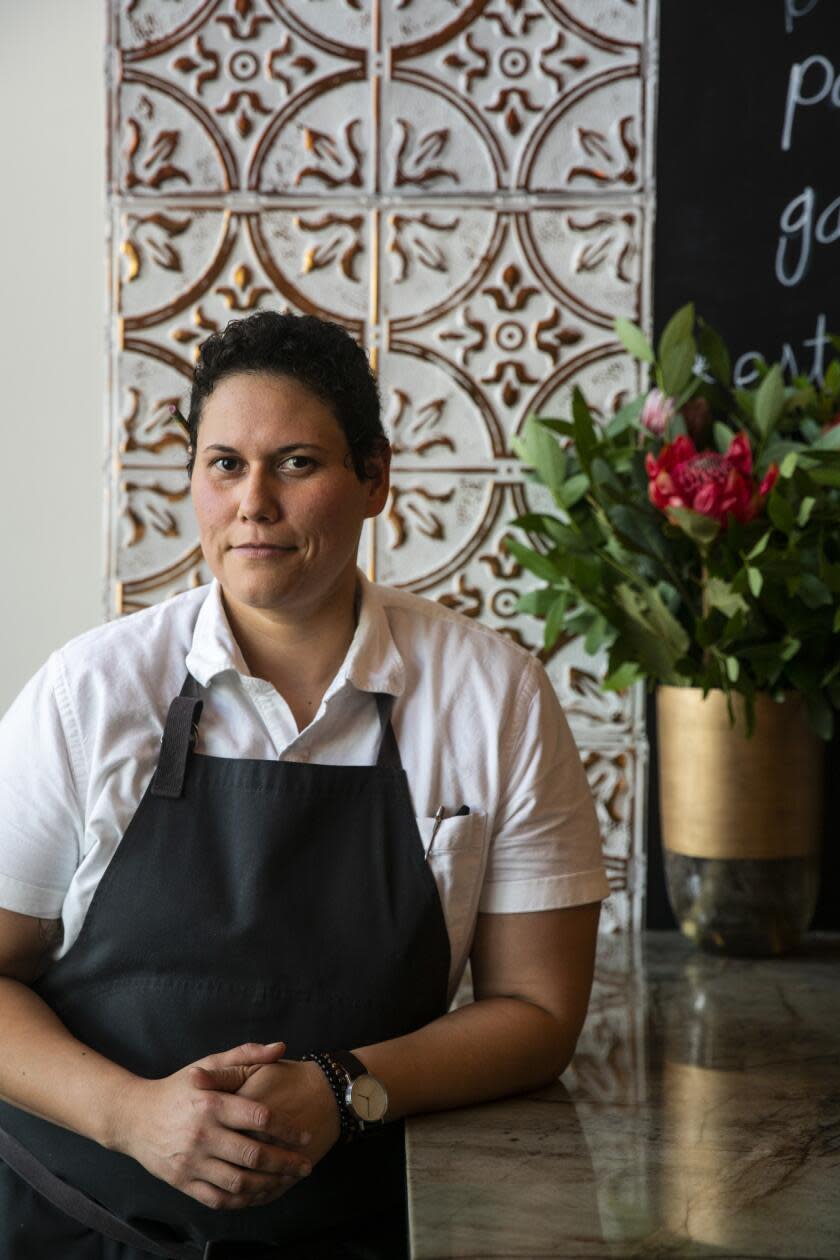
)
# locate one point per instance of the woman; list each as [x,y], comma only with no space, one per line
[250,838]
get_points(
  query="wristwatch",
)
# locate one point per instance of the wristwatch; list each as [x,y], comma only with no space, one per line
[362,1099]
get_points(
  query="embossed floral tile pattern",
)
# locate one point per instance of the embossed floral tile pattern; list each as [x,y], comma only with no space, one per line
[444,96]
[463,185]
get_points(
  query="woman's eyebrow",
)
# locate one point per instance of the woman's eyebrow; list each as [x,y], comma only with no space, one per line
[280,450]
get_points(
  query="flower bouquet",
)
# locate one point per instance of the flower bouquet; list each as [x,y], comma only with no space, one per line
[695,534]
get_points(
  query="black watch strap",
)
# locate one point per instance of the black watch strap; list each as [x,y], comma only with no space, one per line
[351,1065]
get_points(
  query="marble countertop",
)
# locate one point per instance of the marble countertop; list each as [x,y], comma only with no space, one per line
[700,1117]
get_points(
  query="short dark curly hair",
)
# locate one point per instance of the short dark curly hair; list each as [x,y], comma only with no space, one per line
[319,354]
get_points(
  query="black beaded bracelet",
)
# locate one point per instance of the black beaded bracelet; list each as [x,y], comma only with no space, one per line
[337,1080]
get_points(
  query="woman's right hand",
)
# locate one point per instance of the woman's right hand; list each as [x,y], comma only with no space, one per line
[210,1143]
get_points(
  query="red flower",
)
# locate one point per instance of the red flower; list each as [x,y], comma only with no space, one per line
[707,482]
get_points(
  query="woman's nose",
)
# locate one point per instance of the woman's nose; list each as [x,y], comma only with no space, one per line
[259,500]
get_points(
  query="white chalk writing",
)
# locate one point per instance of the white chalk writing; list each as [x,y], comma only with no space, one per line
[745,370]
[796,9]
[826,87]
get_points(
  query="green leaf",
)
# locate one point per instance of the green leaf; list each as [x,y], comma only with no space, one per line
[781,513]
[574,490]
[585,571]
[813,592]
[677,364]
[678,329]
[746,402]
[733,668]
[790,646]
[636,530]
[720,595]
[831,380]
[585,436]
[604,474]
[564,427]
[537,603]
[555,620]
[655,636]
[723,435]
[828,441]
[788,465]
[624,676]
[627,417]
[755,579]
[634,340]
[825,476]
[835,625]
[806,507]
[770,400]
[536,563]
[597,633]
[544,525]
[714,351]
[543,452]
[702,530]
[759,547]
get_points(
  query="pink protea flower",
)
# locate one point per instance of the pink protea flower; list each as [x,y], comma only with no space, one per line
[657,412]
[715,485]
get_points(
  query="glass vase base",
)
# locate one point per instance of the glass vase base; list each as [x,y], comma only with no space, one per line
[751,908]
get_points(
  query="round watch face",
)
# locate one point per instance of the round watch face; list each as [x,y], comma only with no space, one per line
[368,1099]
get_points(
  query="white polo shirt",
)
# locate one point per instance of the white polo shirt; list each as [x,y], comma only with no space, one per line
[476,719]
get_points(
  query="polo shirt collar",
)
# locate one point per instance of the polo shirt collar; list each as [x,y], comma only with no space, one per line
[372,663]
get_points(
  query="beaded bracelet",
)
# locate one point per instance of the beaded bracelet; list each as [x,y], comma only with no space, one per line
[337,1080]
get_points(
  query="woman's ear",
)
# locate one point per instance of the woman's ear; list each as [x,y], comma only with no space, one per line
[378,478]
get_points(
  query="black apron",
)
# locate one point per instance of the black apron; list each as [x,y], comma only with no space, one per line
[248,901]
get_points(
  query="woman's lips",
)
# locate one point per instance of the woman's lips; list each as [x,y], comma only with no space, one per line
[262,549]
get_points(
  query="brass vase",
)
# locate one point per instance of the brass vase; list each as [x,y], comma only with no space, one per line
[741,819]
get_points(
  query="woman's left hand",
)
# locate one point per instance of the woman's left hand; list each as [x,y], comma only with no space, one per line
[297,1093]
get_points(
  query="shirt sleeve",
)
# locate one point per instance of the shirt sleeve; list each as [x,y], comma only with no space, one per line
[545,853]
[41,819]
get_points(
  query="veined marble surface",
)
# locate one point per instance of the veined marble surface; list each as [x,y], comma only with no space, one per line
[700,1117]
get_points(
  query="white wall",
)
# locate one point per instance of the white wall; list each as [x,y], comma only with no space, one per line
[52,327]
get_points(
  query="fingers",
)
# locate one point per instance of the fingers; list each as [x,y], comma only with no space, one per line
[251,1052]
[245,1116]
[246,1152]
[228,1079]
[231,1189]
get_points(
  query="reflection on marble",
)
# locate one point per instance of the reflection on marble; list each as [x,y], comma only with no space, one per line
[700,1117]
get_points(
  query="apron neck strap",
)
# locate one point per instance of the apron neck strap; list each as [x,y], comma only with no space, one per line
[179,736]
[181,730]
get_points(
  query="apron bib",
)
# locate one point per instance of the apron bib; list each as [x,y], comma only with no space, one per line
[248,901]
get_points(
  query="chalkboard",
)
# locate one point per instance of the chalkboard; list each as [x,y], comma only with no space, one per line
[748,224]
[748,174]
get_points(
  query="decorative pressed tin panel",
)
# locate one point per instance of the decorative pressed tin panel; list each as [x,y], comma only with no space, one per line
[465,185]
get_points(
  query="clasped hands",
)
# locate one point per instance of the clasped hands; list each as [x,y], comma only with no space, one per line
[233,1130]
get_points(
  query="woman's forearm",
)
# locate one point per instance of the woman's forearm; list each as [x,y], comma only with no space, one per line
[485,1050]
[519,1034]
[45,1070]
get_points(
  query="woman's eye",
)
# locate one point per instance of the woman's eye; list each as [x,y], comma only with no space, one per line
[296,463]
[226,463]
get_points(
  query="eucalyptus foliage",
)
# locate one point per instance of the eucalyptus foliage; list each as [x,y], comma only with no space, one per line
[677,597]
